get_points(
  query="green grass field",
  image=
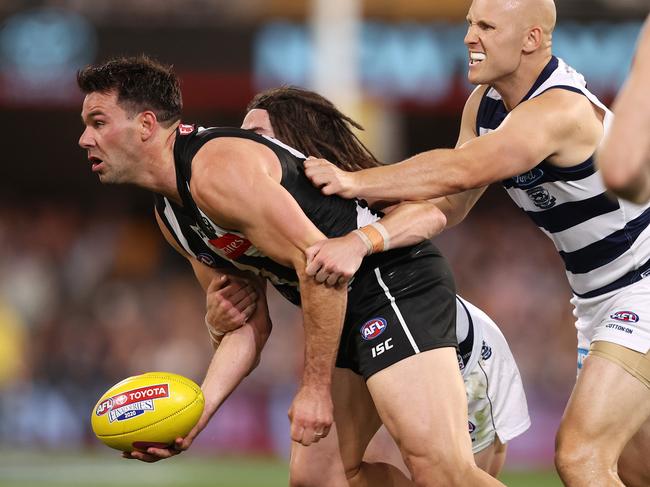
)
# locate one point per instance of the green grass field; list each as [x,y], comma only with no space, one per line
[31,469]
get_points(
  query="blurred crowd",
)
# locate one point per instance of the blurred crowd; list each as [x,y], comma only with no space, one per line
[87,301]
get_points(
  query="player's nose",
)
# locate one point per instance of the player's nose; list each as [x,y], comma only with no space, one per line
[470,36]
[86,141]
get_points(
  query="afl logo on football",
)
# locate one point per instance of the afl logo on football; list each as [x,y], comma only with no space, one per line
[373,328]
[625,316]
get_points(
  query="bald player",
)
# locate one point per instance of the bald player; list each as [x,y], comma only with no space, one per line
[624,157]
[532,125]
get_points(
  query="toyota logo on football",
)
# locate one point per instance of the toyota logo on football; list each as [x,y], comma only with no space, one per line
[373,328]
[625,316]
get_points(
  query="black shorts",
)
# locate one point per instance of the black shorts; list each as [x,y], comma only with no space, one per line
[400,303]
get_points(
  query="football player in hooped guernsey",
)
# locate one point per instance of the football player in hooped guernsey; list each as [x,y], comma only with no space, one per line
[216,187]
[532,125]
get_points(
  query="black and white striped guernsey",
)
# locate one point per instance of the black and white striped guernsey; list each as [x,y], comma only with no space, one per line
[218,247]
[602,240]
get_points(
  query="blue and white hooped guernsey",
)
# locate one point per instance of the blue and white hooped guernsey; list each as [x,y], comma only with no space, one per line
[603,241]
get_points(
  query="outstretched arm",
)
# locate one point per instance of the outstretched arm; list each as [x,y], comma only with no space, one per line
[237,352]
[557,124]
[236,183]
[624,157]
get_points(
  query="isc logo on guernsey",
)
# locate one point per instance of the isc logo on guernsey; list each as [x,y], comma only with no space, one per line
[373,328]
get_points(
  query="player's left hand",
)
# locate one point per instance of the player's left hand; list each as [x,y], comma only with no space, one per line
[334,261]
[311,414]
[330,179]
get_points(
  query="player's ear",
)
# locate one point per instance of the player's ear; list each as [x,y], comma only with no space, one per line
[148,122]
[533,39]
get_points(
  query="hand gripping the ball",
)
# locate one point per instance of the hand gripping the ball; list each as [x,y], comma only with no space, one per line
[180,444]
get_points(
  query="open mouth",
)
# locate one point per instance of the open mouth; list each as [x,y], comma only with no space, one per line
[476,57]
[95,161]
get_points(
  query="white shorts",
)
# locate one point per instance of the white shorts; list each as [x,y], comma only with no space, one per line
[622,317]
[495,394]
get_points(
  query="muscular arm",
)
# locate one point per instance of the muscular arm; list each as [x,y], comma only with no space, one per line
[236,183]
[559,125]
[624,157]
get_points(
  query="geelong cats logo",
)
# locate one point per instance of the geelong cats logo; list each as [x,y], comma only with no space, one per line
[541,197]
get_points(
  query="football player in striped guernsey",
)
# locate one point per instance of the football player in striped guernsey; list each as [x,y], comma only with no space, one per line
[497,413]
[624,157]
[532,125]
[229,199]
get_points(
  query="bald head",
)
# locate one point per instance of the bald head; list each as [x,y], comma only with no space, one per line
[538,13]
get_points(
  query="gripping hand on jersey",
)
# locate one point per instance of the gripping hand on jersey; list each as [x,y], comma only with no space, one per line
[230,302]
[330,179]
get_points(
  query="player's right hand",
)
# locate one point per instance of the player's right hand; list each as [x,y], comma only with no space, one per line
[330,179]
[153,455]
[229,303]
[311,414]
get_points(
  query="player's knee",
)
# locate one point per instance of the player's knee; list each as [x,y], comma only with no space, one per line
[575,454]
[438,467]
[303,474]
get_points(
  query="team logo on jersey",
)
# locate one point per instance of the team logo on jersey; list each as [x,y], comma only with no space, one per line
[232,245]
[486,351]
[206,259]
[185,129]
[625,316]
[472,428]
[529,178]
[541,197]
[373,328]
[130,404]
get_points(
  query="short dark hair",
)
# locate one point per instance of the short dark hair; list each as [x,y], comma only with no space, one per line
[312,124]
[141,83]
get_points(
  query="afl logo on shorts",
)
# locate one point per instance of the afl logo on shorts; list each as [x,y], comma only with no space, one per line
[625,316]
[373,328]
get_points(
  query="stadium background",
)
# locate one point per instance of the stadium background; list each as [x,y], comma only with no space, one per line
[89,293]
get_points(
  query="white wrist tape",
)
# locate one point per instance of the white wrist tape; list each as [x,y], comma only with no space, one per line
[364,238]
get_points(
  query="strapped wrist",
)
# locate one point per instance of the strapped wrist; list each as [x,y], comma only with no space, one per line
[375,237]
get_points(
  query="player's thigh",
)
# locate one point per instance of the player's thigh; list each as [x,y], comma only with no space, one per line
[422,402]
[608,403]
[356,423]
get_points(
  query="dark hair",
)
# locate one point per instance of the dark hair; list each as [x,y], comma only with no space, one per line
[312,124]
[141,83]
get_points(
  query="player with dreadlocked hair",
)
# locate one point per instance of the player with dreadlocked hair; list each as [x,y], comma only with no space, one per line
[313,125]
